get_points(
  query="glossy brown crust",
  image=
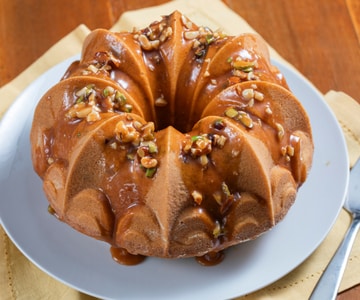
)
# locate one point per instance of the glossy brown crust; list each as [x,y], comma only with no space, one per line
[172,141]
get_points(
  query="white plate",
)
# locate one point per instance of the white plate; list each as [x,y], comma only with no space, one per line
[86,264]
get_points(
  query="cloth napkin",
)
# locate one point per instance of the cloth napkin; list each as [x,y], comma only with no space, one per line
[20,279]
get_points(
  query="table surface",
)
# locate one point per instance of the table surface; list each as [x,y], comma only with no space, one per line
[320,38]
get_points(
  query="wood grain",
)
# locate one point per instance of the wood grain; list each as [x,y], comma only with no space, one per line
[320,38]
[28,28]
[354,10]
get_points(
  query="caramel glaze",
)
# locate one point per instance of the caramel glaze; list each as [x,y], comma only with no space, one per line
[172,141]
[123,257]
[211,258]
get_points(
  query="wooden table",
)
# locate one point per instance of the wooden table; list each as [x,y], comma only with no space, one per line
[320,38]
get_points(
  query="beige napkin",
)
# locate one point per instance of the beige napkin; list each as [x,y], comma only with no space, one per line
[20,279]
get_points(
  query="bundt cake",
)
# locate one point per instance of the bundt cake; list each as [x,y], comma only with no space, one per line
[171,141]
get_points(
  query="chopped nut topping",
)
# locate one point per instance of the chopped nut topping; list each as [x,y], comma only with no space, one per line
[166,33]
[152,147]
[225,189]
[226,201]
[98,67]
[290,150]
[231,112]
[126,132]
[239,74]
[234,153]
[137,125]
[190,35]
[84,91]
[217,230]
[147,44]
[83,112]
[130,156]
[207,73]
[248,94]
[241,116]
[155,44]
[198,146]
[150,172]
[186,22]
[196,44]
[91,102]
[139,141]
[151,37]
[160,102]
[197,196]
[202,38]
[251,102]
[280,130]
[245,66]
[141,152]
[148,131]
[258,96]
[219,140]
[93,115]
[92,69]
[187,146]
[144,42]
[252,76]
[204,160]
[201,145]
[245,119]
[148,162]
[210,38]
[147,148]
[268,110]
[108,91]
[113,145]
[243,69]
